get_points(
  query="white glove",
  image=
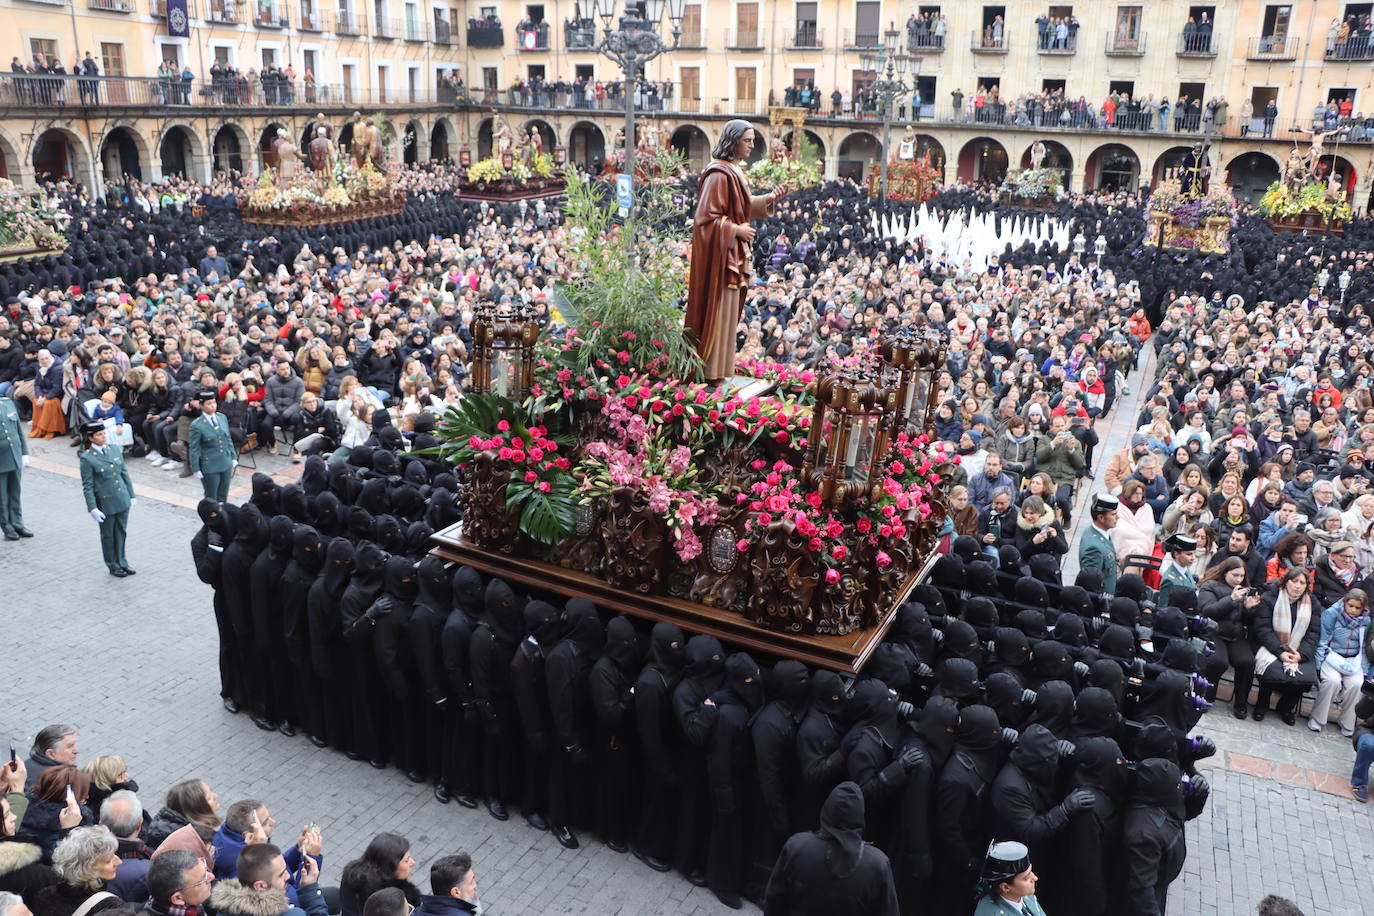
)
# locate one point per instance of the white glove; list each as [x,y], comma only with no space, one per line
[132,502]
[97,515]
[26,460]
[199,475]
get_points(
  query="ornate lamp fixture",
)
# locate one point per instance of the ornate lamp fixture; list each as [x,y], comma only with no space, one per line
[849,431]
[560,155]
[464,156]
[503,340]
[914,357]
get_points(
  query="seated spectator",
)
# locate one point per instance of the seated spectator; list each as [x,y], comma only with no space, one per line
[1037,531]
[85,861]
[52,813]
[1134,533]
[177,883]
[1294,549]
[1335,574]
[260,889]
[1279,524]
[1234,514]
[1223,596]
[453,887]
[189,801]
[1341,661]
[981,486]
[122,815]
[389,901]
[964,519]
[1287,629]
[1238,545]
[386,862]
[1185,513]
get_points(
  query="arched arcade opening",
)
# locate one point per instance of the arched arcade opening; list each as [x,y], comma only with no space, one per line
[857,154]
[694,145]
[120,155]
[983,160]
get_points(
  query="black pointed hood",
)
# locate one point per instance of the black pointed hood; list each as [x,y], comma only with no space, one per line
[1075,600]
[338,566]
[828,694]
[436,590]
[622,644]
[1118,642]
[415,473]
[341,482]
[314,476]
[1068,630]
[744,681]
[1051,661]
[360,524]
[417,535]
[441,510]
[1099,764]
[1054,708]
[668,650]
[1108,675]
[958,679]
[503,613]
[329,516]
[251,530]
[1036,755]
[401,581]
[1158,784]
[791,683]
[543,622]
[875,707]
[280,535]
[937,726]
[264,493]
[374,497]
[705,662]
[981,614]
[468,592]
[582,627]
[1003,693]
[1032,592]
[292,501]
[842,826]
[306,549]
[981,578]
[407,503]
[387,531]
[1012,649]
[961,641]
[912,628]
[1032,622]
[1095,713]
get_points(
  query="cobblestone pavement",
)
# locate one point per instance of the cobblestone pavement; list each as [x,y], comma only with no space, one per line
[132,664]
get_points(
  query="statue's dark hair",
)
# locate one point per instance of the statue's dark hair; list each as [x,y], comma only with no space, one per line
[729,139]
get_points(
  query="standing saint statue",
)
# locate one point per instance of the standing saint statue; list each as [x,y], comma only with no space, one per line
[321,150]
[1037,155]
[287,156]
[722,263]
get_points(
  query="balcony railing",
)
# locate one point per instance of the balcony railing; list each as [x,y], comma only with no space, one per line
[924,42]
[312,19]
[1050,43]
[693,38]
[384,27]
[485,36]
[744,39]
[415,30]
[112,6]
[534,39]
[806,37]
[1273,47]
[579,36]
[271,16]
[1125,45]
[224,12]
[1355,47]
[159,8]
[856,39]
[1198,44]
[350,23]
[443,32]
[983,43]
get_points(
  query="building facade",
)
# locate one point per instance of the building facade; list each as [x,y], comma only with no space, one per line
[991,79]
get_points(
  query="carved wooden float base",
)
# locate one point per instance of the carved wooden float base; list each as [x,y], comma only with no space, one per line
[846,654]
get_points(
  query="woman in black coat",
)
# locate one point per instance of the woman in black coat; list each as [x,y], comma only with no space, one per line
[1287,644]
[22,870]
[1222,596]
[386,862]
[1038,531]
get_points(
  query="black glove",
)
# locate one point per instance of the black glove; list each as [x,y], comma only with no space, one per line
[913,756]
[1066,749]
[1028,697]
[1198,785]
[379,608]
[1078,800]
[1010,736]
[578,755]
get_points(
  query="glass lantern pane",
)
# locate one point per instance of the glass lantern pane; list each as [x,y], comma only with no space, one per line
[917,393]
[501,373]
[866,431]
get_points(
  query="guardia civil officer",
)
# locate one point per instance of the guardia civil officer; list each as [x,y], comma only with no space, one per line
[109,494]
[212,448]
[1175,572]
[14,457]
[1009,883]
[1095,550]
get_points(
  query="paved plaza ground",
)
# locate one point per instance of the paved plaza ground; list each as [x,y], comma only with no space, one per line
[132,663]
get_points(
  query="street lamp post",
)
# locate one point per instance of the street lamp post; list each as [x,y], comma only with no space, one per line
[889,67]
[632,46]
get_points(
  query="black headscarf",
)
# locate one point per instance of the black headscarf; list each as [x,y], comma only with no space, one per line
[622,644]
[264,494]
[937,726]
[842,826]
[1095,714]
[314,476]
[1004,696]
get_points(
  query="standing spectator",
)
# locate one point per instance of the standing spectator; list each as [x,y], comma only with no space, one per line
[260,889]
[54,746]
[453,887]
[177,883]
[85,861]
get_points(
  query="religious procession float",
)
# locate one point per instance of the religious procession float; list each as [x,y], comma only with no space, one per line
[1185,221]
[1301,201]
[29,226]
[1033,188]
[784,511]
[325,185]
[519,169]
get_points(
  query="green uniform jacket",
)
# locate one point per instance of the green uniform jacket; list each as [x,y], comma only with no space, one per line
[999,907]
[1172,576]
[1095,551]
[212,448]
[105,481]
[14,445]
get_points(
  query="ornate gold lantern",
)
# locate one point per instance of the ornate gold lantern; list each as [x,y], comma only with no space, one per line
[464,156]
[503,339]
[914,357]
[507,159]
[849,431]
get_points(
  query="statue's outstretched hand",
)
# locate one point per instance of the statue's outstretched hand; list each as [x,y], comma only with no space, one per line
[746,232]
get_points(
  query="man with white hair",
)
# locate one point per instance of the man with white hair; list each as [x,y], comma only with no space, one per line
[122,814]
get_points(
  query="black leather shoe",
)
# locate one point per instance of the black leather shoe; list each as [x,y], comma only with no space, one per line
[11,535]
[415,776]
[23,532]
[230,705]
[617,846]
[1240,712]
[130,571]
[266,725]
[565,837]
[467,801]
[441,793]
[655,863]
[497,809]
[1258,713]
[353,755]
[536,820]
[287,729]
[118,573]
[733,901]
[697,879]
[378,764]
[1289,716]
[317,740]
